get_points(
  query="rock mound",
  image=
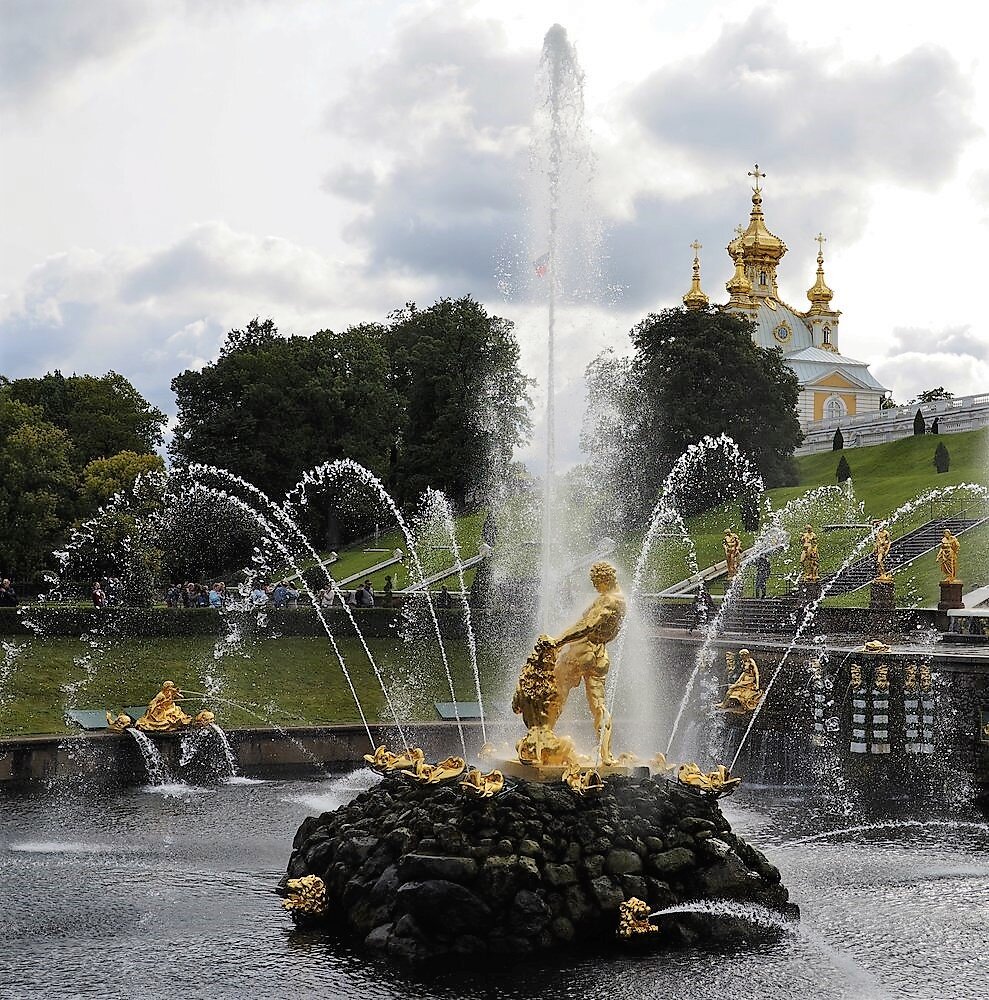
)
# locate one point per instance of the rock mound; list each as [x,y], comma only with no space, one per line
[420,872]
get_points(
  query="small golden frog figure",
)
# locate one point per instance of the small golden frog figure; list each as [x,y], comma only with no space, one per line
[744,695]
[583,781]
[633,918]
[810,557]
[482,786]
[947,557]
[306,899]
[163,714]
[732,545]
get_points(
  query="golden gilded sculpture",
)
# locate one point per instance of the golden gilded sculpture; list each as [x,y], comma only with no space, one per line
[855,677]
[433,774]
[556,666]
[582,780]
[880,681]
[383,760]
[880,549]
[481,785]
[910,677]
[926,680]
[874,646]
[732,545]
[163,714]
[744,694]
[633,918]
[306,899]
[810,557]
[118,723]
[718,781]
[947,557]
[661,764]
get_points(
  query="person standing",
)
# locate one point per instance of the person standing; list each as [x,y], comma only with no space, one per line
[763,569]
[8,596]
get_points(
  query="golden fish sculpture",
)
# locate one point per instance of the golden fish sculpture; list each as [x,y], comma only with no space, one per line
[383,760]
[633,919]
[718,781]
[582,780]
[433,774]
[482,786]
[118,723]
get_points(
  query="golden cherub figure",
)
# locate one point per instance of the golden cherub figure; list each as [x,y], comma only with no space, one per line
[733,552]
[810,558]
[947,557]
[163,713]
[881,546]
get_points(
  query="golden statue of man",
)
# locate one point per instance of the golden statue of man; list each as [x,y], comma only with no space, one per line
[881,547]
[163,713]
[810,558]
[947,557]
[733,552]
[583,655]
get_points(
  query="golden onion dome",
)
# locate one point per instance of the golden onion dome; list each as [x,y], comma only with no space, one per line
[819,294]
[695,297]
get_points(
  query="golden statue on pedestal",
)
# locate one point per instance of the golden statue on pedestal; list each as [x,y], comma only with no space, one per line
[733,552]
[810,558]
[744,694]
[558,665]
[883,543]
[947,557]
[163,714]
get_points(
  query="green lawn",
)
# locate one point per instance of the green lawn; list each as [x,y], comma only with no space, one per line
[284,682]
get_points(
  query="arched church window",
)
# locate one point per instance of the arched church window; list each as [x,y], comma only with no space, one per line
[762,277]
[834,408]
[827,335]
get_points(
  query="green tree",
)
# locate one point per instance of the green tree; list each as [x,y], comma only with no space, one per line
[37,485]
[693,373]
[932,395]
[464,399]
[271,407]
[838,441]
[844,471]
[919,424]
[942,458]
[102,415]
[103,477]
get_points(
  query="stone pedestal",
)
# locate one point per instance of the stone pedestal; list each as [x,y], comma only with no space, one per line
[809,591]
[951,596]
[882,595]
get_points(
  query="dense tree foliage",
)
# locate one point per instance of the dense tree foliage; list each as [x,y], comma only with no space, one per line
[693,373]
[844,471]
[102,415]
[103,477]
[37,485]
[432,398]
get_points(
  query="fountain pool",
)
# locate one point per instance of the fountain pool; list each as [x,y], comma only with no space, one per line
[167,892]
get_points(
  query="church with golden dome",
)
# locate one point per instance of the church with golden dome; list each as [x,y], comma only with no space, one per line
[832,386]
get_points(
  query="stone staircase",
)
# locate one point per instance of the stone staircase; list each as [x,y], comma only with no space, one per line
[903,551]
[771,614]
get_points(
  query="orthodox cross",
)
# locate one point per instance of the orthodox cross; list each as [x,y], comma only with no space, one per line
[757,173]
[821,240]
[696,246]
[739,230]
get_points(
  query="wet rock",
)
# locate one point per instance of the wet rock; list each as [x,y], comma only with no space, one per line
[559,875]
[421,867]
[606,894]
[441,905]
[623,862]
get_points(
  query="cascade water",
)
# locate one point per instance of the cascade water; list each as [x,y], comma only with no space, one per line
[154,763]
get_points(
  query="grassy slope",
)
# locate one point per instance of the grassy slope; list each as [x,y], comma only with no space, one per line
[287,681]
[884,478]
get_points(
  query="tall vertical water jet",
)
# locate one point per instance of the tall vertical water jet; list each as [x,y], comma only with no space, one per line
[558,151]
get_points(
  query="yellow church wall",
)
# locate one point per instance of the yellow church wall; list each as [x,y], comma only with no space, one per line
[837,381]
[820,398]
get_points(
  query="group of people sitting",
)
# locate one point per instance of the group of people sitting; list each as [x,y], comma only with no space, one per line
[197,595]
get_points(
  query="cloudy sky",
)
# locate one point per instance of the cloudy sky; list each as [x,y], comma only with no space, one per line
[170,169]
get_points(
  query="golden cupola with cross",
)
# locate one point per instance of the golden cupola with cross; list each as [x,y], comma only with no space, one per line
[832,385]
